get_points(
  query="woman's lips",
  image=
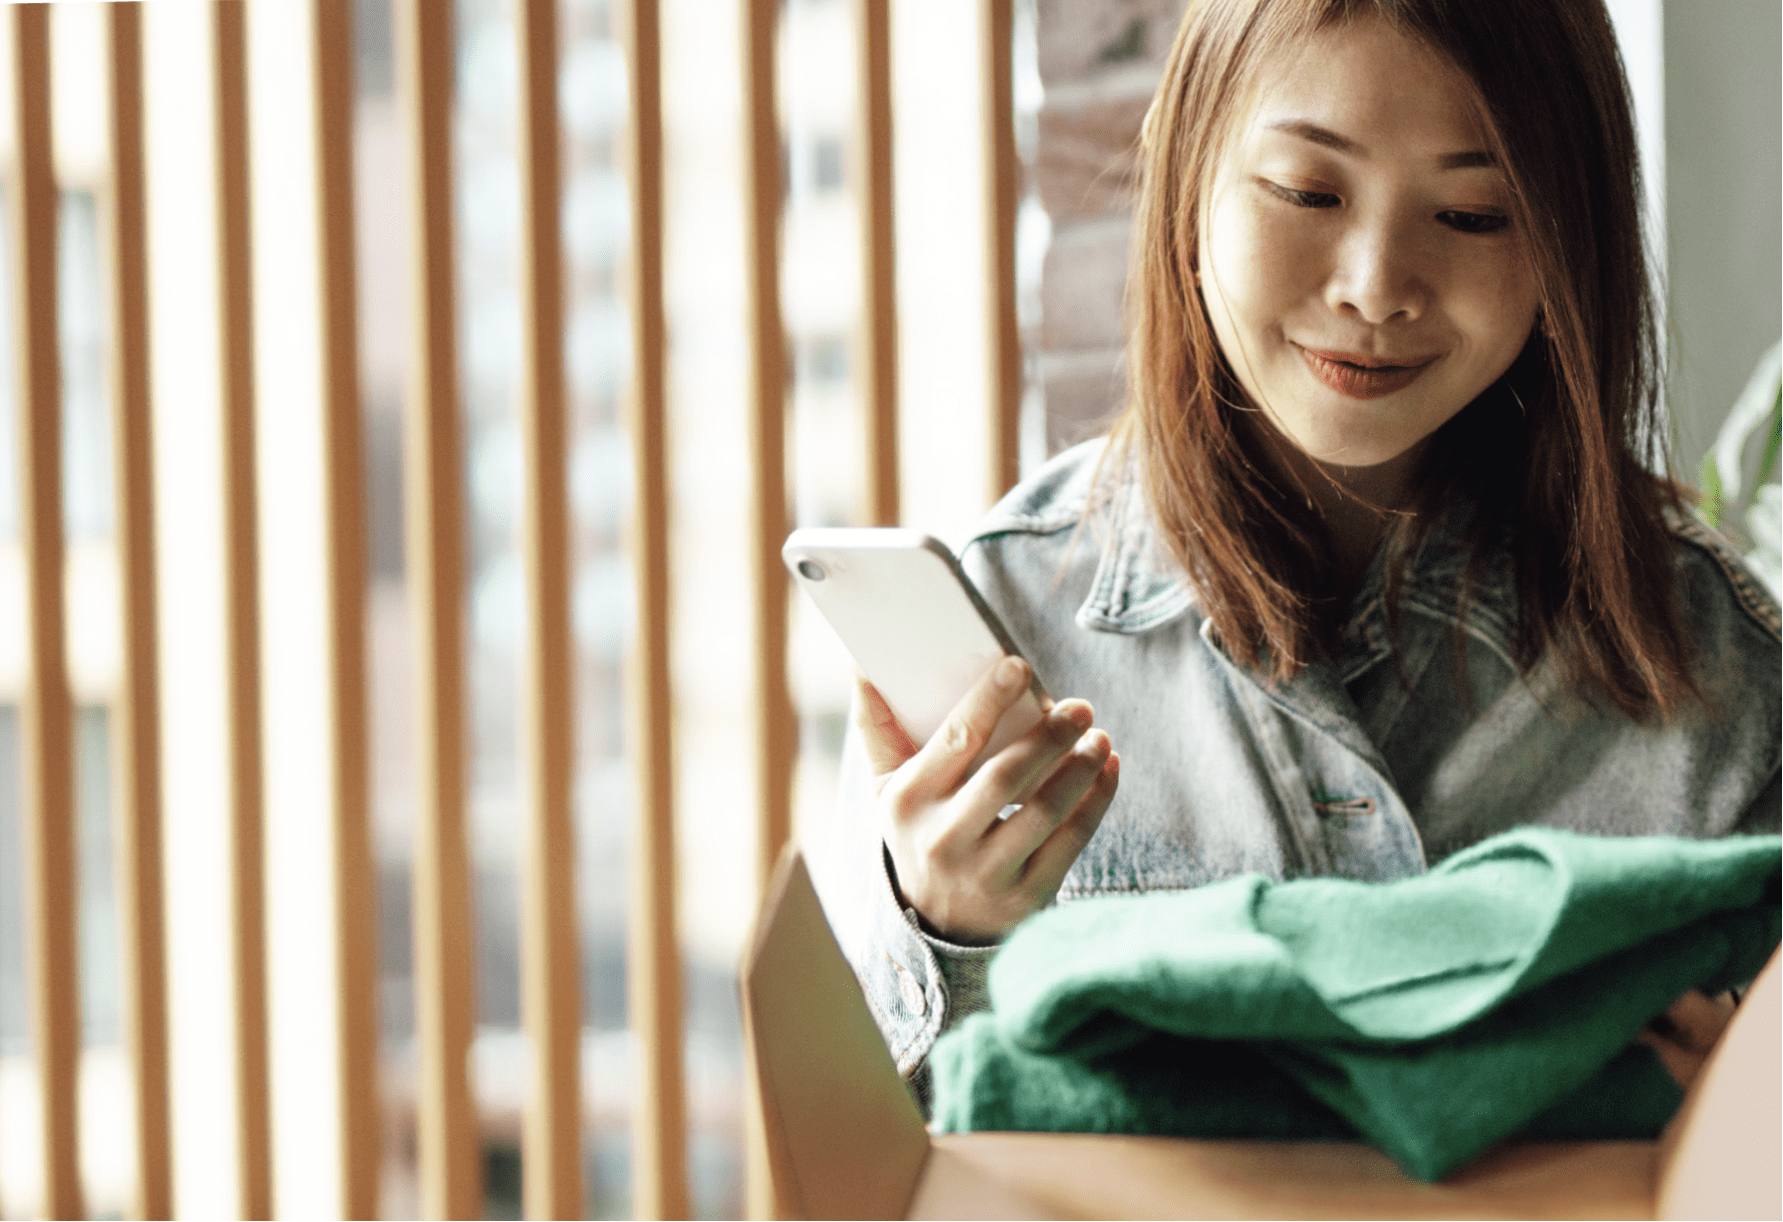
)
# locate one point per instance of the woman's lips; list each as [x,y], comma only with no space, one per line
[1360,376]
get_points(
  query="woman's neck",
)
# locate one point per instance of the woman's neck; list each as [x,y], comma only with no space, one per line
[1356,504]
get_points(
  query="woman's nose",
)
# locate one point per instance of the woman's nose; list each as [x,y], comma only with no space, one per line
[1376,278]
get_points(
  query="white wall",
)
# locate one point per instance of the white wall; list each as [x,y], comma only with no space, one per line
[1722,171]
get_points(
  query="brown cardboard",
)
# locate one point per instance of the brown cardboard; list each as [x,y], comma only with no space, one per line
[1719,1154]
[845,1139]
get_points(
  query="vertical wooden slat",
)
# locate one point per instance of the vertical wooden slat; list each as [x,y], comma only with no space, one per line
[137,726]
[51,877]
[775,727]
[775,730]
[659,1127]
[879,314]
[241,585]
[331,33]
[451,1182]
[1002,171]
[550,963]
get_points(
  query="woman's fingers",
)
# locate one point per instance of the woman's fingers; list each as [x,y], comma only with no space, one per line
[936,770]
[1047,865]
[1055,800]
[1687,1032]
[1701,1019]
[888,746]
[1018,770]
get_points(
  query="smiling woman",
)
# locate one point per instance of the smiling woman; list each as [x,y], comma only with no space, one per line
[1380,560]
[1358,249]
[1450,193]
[1360,267]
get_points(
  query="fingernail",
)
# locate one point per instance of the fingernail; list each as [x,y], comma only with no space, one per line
[1077,716]
[1011,673]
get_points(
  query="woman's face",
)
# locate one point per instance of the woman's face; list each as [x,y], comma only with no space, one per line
[1357,256]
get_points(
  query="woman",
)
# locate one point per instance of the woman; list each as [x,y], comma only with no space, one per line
[1373,566]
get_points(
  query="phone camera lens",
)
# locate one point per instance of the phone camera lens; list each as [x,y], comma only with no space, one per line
[810,570]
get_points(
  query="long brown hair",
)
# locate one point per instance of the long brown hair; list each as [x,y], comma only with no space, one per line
[1558,456]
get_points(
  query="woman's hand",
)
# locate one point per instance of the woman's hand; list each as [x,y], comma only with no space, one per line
[970,875]
[1686,1033]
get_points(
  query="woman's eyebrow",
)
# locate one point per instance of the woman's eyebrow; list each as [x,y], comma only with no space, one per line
[1322,136]
[1326,138]
[1479,160]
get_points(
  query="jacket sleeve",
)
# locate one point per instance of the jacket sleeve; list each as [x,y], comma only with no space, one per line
[917,986]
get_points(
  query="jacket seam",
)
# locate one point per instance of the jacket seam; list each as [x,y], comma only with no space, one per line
[1049,524]
[1755,602]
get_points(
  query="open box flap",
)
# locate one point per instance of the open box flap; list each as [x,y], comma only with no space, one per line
[845,1139]
[1720,1155]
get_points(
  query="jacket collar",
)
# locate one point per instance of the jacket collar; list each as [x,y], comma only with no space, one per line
[1139,587]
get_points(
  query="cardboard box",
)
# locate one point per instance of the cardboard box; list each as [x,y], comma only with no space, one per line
[845,1139]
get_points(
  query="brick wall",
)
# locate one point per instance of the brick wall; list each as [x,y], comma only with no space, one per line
[1100,61]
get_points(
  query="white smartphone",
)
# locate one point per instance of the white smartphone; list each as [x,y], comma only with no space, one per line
[916,627]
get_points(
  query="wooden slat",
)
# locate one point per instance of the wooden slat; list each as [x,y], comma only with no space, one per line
[331,32]
[879,312]
[775,730]
[445,1000]
[1002,171]
[659,1125]
[51,875]
[550,962]
[241,586]
[137,725]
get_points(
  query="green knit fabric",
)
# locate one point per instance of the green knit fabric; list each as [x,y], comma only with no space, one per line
[1432,1016]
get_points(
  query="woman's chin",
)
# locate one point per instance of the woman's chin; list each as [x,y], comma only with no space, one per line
[1345,443]
[1356,454]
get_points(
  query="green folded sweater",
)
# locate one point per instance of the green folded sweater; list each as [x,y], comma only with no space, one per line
[1497,994]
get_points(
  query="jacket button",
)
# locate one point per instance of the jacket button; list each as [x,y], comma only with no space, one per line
[910,992]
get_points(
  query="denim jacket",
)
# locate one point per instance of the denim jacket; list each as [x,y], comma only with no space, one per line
[1373,765]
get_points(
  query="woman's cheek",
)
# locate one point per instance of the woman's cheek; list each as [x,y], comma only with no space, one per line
[1496,293]
[1275,260]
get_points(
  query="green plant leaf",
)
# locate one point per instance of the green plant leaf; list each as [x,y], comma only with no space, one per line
[1709,509]
[1767,464]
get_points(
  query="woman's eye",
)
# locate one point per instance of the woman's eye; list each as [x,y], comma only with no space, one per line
[1473,222]
[1302,199]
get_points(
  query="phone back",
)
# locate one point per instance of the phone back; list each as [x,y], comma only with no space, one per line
[910,619]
